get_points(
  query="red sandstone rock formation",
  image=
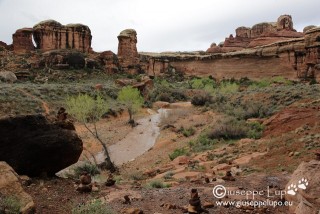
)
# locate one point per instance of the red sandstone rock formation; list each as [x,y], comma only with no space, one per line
[214,48]
[109,60]
[4,46]
[127,49]
[22,40]
[297,58]
[51,35]
[261,34]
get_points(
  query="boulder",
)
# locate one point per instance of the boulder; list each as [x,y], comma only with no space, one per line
[11,187]
[305,188]
[8,76]
[34,146]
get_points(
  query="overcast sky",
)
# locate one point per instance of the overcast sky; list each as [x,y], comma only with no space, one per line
[162,25]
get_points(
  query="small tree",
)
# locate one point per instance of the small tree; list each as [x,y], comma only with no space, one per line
[131,98]
[86,110]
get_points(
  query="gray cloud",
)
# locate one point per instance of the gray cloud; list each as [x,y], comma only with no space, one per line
[166,25]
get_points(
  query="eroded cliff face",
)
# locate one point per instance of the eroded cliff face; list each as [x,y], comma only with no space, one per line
[292,59]
[51,35]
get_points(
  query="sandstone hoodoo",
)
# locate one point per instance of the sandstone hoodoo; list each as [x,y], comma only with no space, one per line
[127,50]
[34,146]
[22,40]
[51,35]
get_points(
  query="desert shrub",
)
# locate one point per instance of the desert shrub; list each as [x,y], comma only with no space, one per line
[167,92]
[228,88]
[201,99]
[178,152]
[137,176]
[87,167]
[9,204]
[313,81]
[266,82]
[94,207]
[2,48]
[187,132]
[207,84]
[229,129]
[168,175]
[202,143]
[157,184]
[255,130]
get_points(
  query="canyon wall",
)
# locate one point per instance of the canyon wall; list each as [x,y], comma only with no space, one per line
[292,59]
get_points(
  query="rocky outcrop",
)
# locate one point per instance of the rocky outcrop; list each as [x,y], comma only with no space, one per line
[34,146]
[304,187]
[214,48]
[22,40]
[109,61]
[127,50]
[261,34]
[11,187]
[297,58]
[51,35]
[4,46]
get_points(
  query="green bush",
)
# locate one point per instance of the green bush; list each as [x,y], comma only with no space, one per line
[9,204]
[255,130]
[207,84]
[94,207]
[178,152]
[228,88]
[157,184]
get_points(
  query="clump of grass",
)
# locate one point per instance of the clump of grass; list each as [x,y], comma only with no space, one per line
[9,204]
[187,132]
[157,184]
[202,143]
[168,175]
[178,152]
[93,207]
[87,167]
[137,176]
